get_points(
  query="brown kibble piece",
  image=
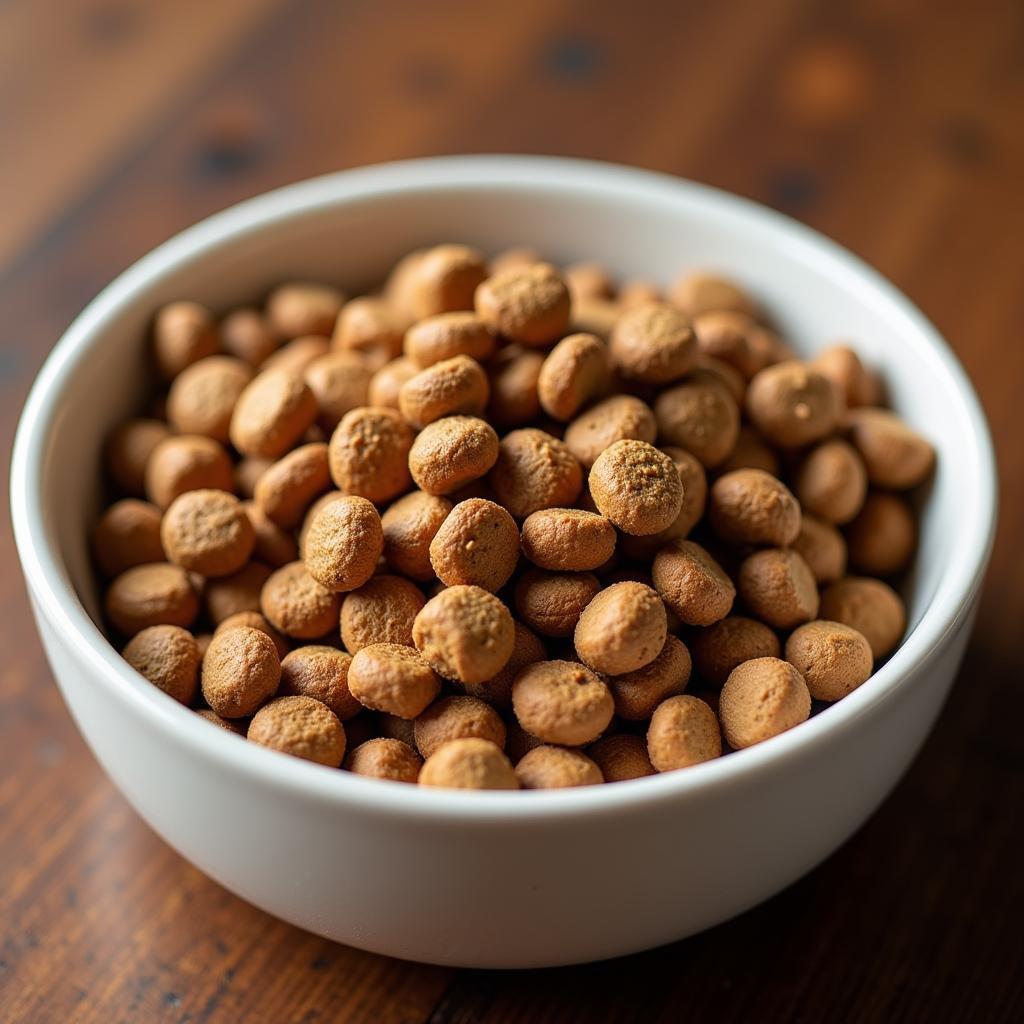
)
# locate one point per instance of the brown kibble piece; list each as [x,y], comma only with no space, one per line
[385,758]
[302,727]
[207,532]
[701,292]
[529,304]
[127,534]
[883,536]
[719,648]
[464,633]
[340,382]
[456,386]
[447,335]
[452,452]
[241,670]
[869,606]
[254,620]
[527,648]
[895,456]
[701,418]
[289,486]
[637,487]
[186,463]
[575,370]
[725,335]
[833,659]
[692,583]
[128,450]
[469,763]
[343,543]
[622,629]
[478,543]
[831,482]
[567,539]
[562,702]
[750,452]
[534,471]
[621,757]
[760,699]
[749,506]
[211,716]
[247,474]
[297,356]
[386,383]
[443,280]
[589,280]
[321,673]
[777,585]
[552,602]
[298,605]
[157,594]
[381,611]
[695,491]
[272,413]
[168,657]
[203,396]
[514,375]
[822,547]
[392,678]
[371,328]
[409,526]
[454,718]
[843,367]
[240,592]
[246,335]
[369,453]
[619,418]
[653,343]
[637,694]
[683,732]
[183,333]
[792,404]
[303,307]
[547,767]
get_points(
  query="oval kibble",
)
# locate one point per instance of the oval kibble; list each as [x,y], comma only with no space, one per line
[444,279]
[126,535]
[567,539]
[207,532]
[534,471]
[547,767]
[452,452]
[777,585]
[721,647]
[183,333]
[371,328]
[409,526]
[637,694]
[186,462]
[392,678]
[385,758]
[552,602]
[127,451]
[287,487]
[621,757]
[168,657]
[748,506]
[700,292]
[274,545]
[298,605]
[469,763]
[844,368]
[529,304]
[622,629]
[455,718]
[575,370]
[692,583]
[882,538]
[303,307]
[701,418]
[792,404]
[456,386]
[562,702]
[895,456]
[382,610]
[446,335]
[683,732]
[833,659]
[637,487]
[343,544]
[156,594]
[297,356]
[869,606]
[301,727]
[203,396]
[321,673]
[240,671]
[822,547]
[478,544]
[246,334]
[340,382]
[386,383]
[831,482]
[272,413]
[369,454]
[653,343]
[619,418]
[760,699]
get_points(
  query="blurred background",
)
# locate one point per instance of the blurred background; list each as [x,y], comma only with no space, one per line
[895,126]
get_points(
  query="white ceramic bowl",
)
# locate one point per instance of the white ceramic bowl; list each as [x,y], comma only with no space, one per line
[500,879]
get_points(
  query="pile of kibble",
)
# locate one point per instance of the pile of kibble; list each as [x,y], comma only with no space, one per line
[486,527]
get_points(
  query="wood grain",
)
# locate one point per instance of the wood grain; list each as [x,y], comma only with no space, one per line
[893,125]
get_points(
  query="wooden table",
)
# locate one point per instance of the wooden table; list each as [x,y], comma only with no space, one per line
[896,126]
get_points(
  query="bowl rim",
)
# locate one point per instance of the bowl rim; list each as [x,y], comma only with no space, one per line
[56,600]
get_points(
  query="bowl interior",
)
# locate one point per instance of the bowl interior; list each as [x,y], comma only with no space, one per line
[350,228]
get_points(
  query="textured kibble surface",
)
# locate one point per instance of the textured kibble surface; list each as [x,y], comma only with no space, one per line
[494,513]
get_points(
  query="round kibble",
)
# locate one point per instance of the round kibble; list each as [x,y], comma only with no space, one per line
[469,763]
[692,583]
[619,418]
[444,279]
[895,456]
[186,463]
[534,471]
[409,527]
[127,452]
[562,702]
[456,386]
[298,605]
[637,487]
[183,333]
[749,506]
[869,606]
[386,383]
[702,292]
[272,413]
[575,370]
[369,454]
[207,532]
[637,694]
[321,673]
[567,539]
[621,757]
[546,767]
[529,304]
[822,547]
[343,544]
[527,648]
[883,536]
[760,699]
[381,611]
[792,404]
[464,633]
[701,418]
[653,343]
[844,368]
[455,718]
[303,307]
[622,629]
[452,452]
[777,585]
[340,382]
[254,620]
[156,594]
[203,396]
[514,375]
[241,670]
[168,657]
[302,727]
[721,647]
[478,544]
[831,482]
[552,602]
[287,487]
[447,335]
[392,678]
[370,327]
[246,335]
[127,534]
[695,491]
[385,758]
[833,659]
[683,732]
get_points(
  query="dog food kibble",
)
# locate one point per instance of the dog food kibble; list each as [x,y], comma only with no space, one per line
[547,767]
[760,699]
[168,657]
[302,727]
[683,731]
[346,500]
